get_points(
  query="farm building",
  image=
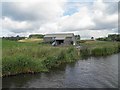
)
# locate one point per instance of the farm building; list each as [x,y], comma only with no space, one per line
[60,39]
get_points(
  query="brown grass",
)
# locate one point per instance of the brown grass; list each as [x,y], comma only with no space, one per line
[31,40]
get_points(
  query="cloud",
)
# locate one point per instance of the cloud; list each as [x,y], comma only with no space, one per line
[59,16]
[21,17]
[16,26]
[100,17]
[78,21]
[32,11]
[103,17]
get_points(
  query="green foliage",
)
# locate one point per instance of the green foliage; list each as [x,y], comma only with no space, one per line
[92,38]
[111,37]
[18,57]
[77,37]
[36,36]
[21,64]
[85,52]
[13,38]
[100,48]
[33,57]
[114,37]
[61,56]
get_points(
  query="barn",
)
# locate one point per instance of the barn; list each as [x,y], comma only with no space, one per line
[60,39]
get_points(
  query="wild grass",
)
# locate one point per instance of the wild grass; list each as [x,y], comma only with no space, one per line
[32,57]
[100,48]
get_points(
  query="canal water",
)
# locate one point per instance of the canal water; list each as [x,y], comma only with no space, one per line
[93,72]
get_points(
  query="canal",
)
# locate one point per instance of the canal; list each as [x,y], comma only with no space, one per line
[93,72]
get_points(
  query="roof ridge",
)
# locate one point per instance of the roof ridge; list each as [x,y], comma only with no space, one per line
[58,33]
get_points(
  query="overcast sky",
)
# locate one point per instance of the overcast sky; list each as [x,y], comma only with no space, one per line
[91,18]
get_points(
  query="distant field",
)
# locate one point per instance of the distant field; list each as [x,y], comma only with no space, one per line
[99,44]
[31,40]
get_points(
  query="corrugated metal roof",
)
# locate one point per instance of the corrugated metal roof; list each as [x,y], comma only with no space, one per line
[59,38]
[60,35]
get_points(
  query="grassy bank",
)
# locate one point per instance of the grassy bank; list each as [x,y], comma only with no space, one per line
[99,48]
[33,57]
[29,57]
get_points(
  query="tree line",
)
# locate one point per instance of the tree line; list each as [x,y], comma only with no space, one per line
[110,37]
[13,38]
[36,36]
[16,38]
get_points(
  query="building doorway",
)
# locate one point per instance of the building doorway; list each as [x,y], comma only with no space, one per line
[59,42]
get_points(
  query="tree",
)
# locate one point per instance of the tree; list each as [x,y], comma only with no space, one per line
[77,37]
[114,37]
[36,36]
[111,37]
[92,38]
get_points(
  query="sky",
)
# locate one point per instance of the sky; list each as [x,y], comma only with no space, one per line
[88,18]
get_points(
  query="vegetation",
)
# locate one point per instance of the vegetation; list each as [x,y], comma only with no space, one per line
[36,36]
[111,37]
[13,38]
[99,48]
[92,38]
[22,39]
[114,37]
[77,37]
[32,57]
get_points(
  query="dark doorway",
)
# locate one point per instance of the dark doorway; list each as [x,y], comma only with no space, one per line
[59,42]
